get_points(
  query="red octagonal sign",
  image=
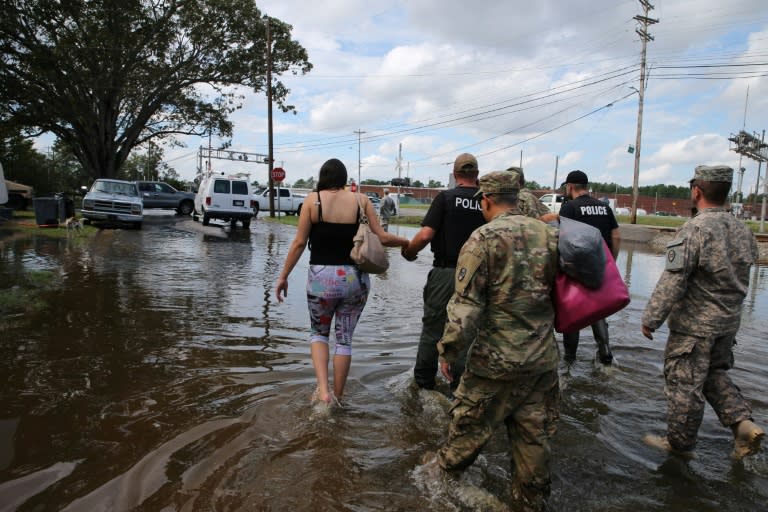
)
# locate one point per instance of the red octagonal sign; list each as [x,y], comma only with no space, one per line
[278,174]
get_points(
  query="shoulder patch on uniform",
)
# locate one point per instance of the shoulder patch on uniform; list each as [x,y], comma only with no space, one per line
[675,255]
[462,274]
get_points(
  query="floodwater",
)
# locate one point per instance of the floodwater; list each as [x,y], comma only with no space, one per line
[161,374]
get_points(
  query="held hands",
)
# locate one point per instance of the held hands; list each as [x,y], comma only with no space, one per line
[647,332]
[404,252]
[445,369]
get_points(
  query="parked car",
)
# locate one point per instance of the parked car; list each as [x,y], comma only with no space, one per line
[285,201]
[227,198]
[156,194]
[113,201]
[553,201]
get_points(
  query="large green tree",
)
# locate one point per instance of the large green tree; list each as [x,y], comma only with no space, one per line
[106,76]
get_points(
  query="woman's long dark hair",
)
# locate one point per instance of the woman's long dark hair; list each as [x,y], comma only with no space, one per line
[333,175]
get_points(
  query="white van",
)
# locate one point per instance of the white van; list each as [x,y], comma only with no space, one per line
[227,198]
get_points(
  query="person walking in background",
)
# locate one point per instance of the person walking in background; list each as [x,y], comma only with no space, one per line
[502,307]
[335,286]
[585,208]
[387,210]
[700,294]
[451,218]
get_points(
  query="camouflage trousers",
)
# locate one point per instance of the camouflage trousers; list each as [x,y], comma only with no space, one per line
[695,372]
[529,407]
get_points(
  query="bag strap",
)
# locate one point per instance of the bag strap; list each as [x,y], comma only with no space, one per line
[362,218]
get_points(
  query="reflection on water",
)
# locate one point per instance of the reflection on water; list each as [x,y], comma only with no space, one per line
[163,375]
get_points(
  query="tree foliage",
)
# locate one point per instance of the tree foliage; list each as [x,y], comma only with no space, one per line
[106,76]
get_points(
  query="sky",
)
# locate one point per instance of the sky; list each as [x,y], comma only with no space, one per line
[546,81]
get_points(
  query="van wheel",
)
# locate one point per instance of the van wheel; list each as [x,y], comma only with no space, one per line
[206,219]
[185,208]
[255,209]
[298,210]
[246,223]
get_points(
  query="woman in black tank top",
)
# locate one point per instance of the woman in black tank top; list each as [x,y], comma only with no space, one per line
[336,289]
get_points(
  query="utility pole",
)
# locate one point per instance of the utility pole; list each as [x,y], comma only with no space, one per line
[642,31]
[359,163]
[399,169]
[270,152]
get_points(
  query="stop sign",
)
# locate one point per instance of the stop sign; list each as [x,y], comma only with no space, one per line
[278,174]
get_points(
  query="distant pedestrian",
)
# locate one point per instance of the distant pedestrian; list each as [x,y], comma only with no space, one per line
[502,307]
[585,208]
[387,210]
[700,294]
[451,218]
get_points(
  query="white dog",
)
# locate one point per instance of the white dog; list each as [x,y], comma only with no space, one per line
[73,225]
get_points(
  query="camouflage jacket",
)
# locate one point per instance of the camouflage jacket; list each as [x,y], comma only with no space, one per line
[706,276]
[504,278]
[529,205]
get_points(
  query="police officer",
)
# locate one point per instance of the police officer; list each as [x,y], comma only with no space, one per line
[502,306]
[700,294]
[585,208]
[451,218]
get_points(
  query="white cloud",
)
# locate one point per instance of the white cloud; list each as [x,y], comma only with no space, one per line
[421,73]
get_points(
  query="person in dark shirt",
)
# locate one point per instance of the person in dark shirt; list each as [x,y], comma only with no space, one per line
[452,217]
[585,208]
[336,288]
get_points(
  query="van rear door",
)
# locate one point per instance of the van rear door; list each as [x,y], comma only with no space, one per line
[241,196]
[3,188]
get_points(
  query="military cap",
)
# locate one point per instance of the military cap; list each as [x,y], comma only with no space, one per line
[499,182]
[721,173]
[465,163]
[517,171]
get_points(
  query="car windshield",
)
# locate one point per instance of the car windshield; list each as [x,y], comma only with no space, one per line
[115,187]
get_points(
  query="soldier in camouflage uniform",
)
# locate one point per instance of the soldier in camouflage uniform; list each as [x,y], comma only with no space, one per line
[701,292]
[528,204]
[504,278]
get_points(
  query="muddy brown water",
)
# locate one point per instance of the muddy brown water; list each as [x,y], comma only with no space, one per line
[162,375]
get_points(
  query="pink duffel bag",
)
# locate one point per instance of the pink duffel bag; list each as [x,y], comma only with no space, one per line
[577,306]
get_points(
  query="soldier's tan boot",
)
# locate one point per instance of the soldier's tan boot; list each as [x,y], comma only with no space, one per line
[746,439]
[662,443]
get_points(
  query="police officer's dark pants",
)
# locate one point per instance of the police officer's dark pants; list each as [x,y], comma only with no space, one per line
[600,332]
[437,293]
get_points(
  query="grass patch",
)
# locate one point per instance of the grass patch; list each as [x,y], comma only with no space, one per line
[23,221]
[288,220]
[654,220]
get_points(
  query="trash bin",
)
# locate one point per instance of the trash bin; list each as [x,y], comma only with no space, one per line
[47,211]
[66,206]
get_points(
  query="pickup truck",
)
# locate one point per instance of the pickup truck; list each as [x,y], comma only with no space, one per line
[285,201]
